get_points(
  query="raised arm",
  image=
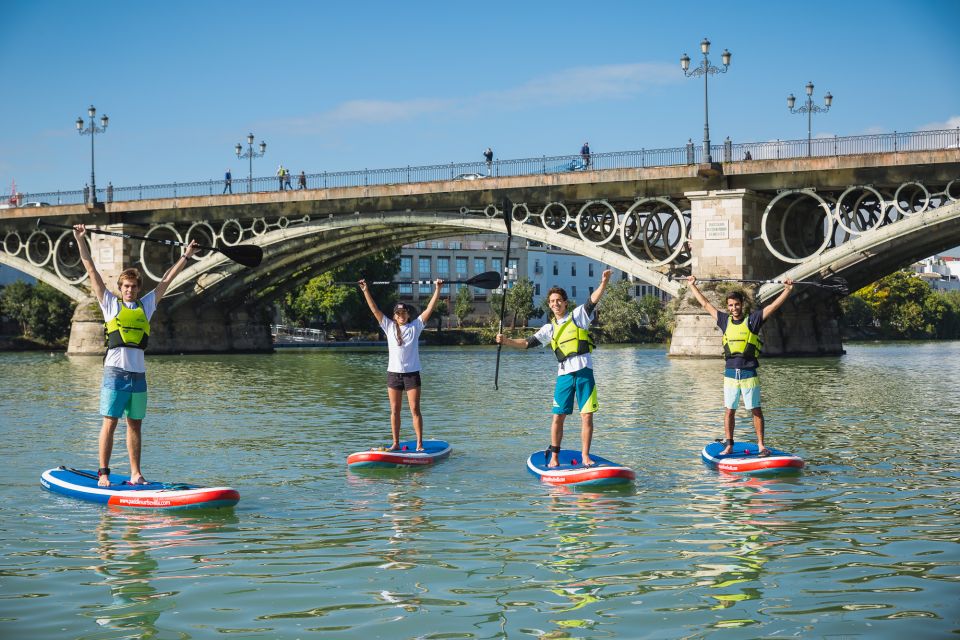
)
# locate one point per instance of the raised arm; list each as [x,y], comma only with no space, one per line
[712,310]
[780,299]
[433,301]
[96,282]
[370,303]
[604,280]
[172,272]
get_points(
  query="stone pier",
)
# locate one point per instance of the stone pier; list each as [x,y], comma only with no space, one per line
[725,227]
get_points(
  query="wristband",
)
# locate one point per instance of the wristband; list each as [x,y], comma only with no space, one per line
[103,471]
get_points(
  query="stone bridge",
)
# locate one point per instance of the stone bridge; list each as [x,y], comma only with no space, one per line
[856,216]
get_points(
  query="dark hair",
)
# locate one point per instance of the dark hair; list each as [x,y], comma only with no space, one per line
[130,274]
[396,325]
[557,290]
[735,295]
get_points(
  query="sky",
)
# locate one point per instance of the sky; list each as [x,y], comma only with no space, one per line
[347,86]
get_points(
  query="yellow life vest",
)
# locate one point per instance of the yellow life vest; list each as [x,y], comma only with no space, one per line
[738,340]
[130,328]
[577,343]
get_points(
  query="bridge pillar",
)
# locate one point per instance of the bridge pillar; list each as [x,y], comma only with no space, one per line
[724,225]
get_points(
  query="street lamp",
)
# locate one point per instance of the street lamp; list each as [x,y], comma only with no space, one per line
[92,130]
[251,154]
[705,70]
[809,109]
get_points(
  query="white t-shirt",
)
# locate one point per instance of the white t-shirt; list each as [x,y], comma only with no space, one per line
[574,363]
[404,358]
[126,358]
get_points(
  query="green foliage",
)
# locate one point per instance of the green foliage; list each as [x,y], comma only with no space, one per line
[520,302]
[463,305]
[620,315]
[321,301]
[42,312]
[903,305]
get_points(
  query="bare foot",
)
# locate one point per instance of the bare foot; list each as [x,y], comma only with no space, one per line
[554,461]
[587,461]
[728,449]
[394,447]
[138,479]
[420,446]
[103,481]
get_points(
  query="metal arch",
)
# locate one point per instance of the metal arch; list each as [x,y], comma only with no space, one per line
[143,249]
[6,243]
[222,234]
[947,192]
[46,259]
[544,214]
[613,228]
[681,241]
[524,207]
[766,237]
[44,275]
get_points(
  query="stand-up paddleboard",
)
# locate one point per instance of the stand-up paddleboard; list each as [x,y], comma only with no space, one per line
[572,472]
[744,459]
[406,456]
[82,484]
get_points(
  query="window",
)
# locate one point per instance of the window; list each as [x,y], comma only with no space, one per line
[536,289]
[456,245]
[405,290]
[590,269]
[573,292]
[479,265]
[406,267]
[443,267]
[496,264]
[461,266]
[556,268]
[591,291]
[423,266]
[537,269]
[573,268]
[426,289]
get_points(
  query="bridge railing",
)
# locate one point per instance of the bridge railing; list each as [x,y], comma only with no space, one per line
[470,171]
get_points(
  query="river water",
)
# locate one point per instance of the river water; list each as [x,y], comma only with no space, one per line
[862,544]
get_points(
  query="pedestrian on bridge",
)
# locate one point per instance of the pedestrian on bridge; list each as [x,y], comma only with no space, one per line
[280,173]
[127,324]
[228,181]
[403,367]
[286,179]
[585,154]
[741,346]
[302,180]
[488,157]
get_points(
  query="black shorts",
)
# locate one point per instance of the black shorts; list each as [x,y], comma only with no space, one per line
[403,381]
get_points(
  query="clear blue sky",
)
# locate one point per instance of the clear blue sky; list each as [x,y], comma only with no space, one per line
[339,86]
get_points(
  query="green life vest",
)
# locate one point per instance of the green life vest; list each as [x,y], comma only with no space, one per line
[130,328]
[738,340]
[568,344]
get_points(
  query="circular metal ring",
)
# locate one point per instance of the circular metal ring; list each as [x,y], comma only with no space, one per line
[231,233]
[948,190]
[32,240]
[766,213]
[612,228]
[56,262]
[681,241]
[526,215]
[283,222]
[464,211]
[491,211]
[546,216]
[208,237]
[305,218]
[839,216]
[258,227]
[8,243]
[926,198]
[143,249]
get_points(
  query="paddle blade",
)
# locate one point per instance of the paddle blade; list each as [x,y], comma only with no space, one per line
[839,285]
[508,214]
[249,255]
[485,280]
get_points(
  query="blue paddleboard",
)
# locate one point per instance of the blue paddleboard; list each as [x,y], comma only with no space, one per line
[572,472]
[744,459]
[406,456]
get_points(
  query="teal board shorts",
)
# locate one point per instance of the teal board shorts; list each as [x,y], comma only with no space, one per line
[739,383]
[579,384]
[123,392]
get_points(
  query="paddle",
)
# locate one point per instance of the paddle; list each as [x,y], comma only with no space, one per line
[507,220]
[485,280]
[830,283]
[248,255]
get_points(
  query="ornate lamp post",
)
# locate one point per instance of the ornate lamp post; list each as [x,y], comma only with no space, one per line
[92,130]
[251,154]
[705,70]
[809,108]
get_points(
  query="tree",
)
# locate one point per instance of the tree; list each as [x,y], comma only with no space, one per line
[520,301]
[897,302]
[620,315]
[440,311]
[463,305]
[42,312]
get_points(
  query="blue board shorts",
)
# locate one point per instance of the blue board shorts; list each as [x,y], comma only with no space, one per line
[123,392]
[739,383]
[579,384]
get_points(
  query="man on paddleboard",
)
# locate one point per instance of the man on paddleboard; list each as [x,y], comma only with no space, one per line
[741,346]
[127,326]
[569,338]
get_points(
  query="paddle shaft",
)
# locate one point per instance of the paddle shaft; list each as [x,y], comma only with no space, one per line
[128,236]
[837,283]
[507,219]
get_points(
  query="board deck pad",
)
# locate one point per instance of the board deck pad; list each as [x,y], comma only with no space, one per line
[82,484]
[744,459]
[572,472]
[406,456]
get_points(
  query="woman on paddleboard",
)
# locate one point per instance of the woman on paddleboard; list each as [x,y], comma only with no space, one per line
[403,367]
[741,346]
[127,325]
[569,338]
